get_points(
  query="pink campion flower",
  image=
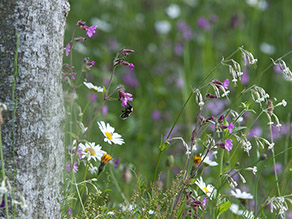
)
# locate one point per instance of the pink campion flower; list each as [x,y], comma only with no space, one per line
[93,63]
[67,49]
[203,23]
[230,127]
[125,97]
[128,64]
[228,144]
[131,66]
[90,31]
[75,167]
[226,83]
[79,151]
[104,110]
[68,167]
[204,202]
[73,74]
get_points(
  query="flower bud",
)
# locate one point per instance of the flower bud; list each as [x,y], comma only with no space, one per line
[170,161]
[127,175]
[221,119]
[211,96]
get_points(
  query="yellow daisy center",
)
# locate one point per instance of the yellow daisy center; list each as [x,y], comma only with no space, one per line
[206,190]
[108,135]
[91,150]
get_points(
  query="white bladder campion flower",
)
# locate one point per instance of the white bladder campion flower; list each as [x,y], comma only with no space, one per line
[91,151]
[109,133]
[90,86]
[207,189]
[237,193]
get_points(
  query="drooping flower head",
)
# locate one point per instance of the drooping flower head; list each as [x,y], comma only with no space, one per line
[104,160]
[125,97]
[92,87]
[109,133]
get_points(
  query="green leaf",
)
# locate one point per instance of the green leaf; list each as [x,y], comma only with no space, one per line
[73,135]
[223,207]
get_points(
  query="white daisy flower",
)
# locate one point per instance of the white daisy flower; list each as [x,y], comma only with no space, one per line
[235,209]
[90,86]
[109,133]
[93,169]
[242,195]
[209,162]
[91,151]
[207,189]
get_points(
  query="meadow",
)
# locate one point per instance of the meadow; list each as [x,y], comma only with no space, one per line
[204,92]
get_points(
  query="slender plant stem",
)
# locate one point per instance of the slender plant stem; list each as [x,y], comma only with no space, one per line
[274,162]
[118,187]
[3,175]
[80,198]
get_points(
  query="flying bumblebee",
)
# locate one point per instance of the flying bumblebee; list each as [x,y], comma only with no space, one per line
[127,111]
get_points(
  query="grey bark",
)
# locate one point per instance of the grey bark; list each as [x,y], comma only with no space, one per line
[39,138]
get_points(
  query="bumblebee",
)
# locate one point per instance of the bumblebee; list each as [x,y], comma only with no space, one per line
[127,111]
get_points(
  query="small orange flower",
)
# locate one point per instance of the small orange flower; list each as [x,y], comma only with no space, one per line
[105,158]
[197,160]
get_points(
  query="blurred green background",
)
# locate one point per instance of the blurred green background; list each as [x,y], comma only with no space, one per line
[176,44]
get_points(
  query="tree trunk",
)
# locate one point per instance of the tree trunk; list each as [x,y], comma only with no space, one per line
[34,149]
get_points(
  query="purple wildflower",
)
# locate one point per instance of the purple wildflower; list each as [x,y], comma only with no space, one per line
[75,167]
[72,75]
[131,66]
[203,23]
[3,203]
[93,63]
[117,162]
[130,79]
[178,49]
[67,49]
[228,144]
[277,69]
[256,131]
[279,168]
[156,115]
[68,167]
[204,202]
[104,110]
[216,106]
[226,83]
[92,97]
[128,64]
[234,21]
[69,210]
[90,31]
[245,77]
[79,151]
[125,97]
[230,127]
